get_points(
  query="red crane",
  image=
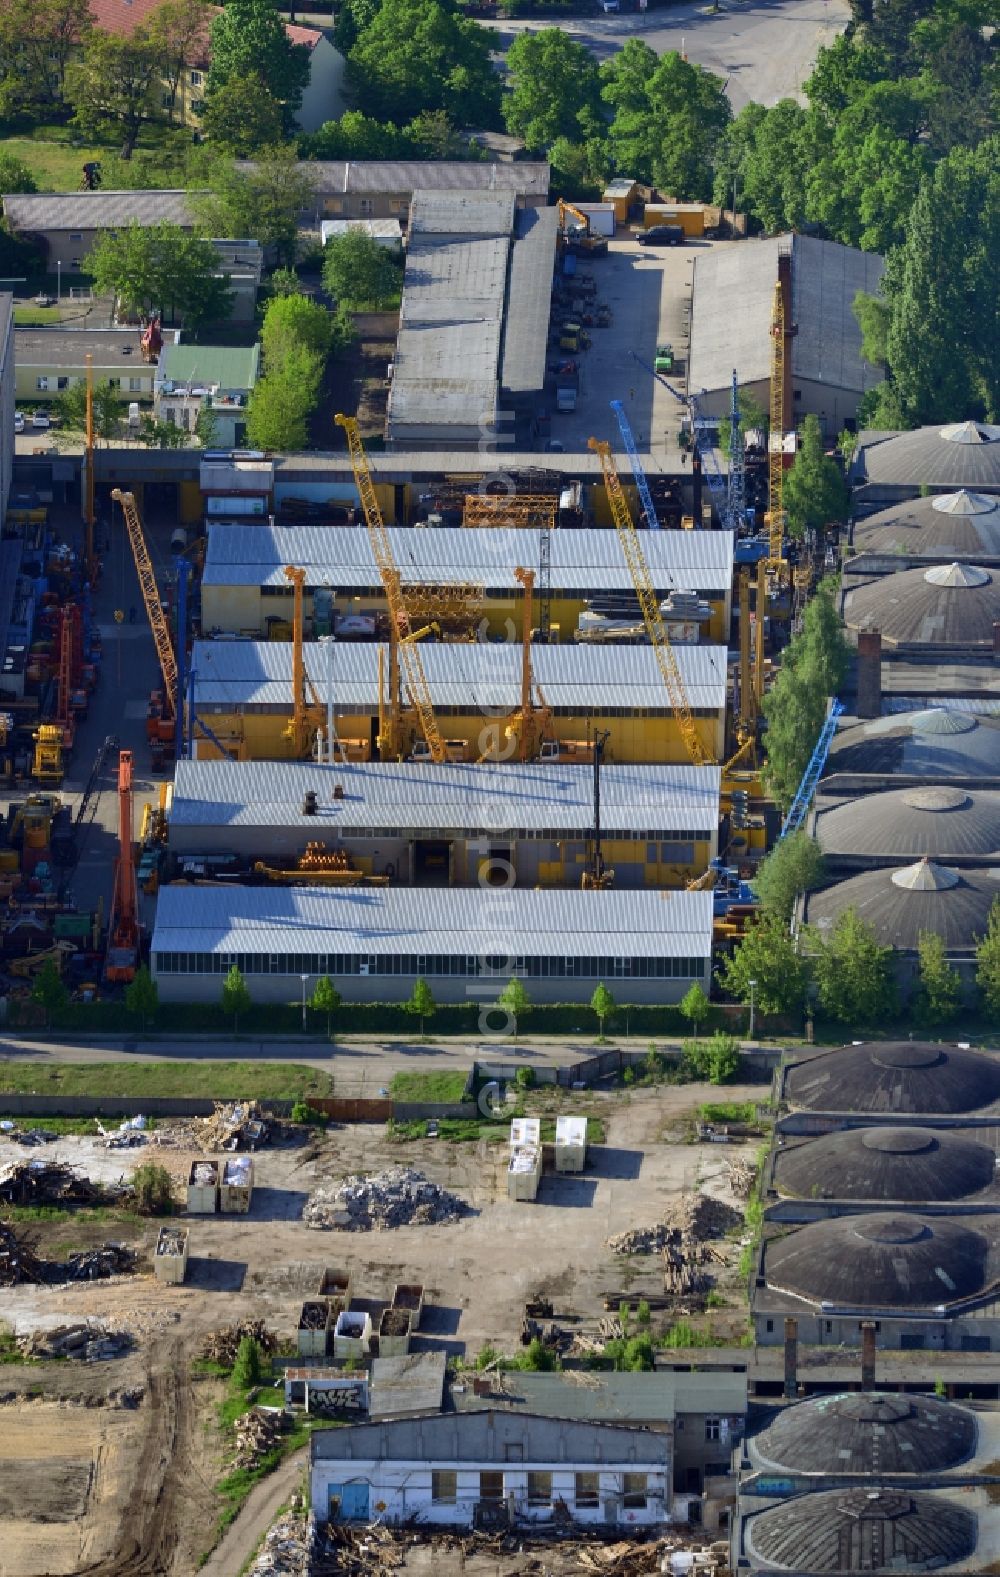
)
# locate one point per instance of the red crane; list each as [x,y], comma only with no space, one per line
[123,925]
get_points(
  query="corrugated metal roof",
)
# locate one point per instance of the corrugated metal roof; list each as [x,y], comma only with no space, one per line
[335,177]
[413,1384]
[526,327]
[485,1437]
[461,214]
[59,347]
[584,560]
[393,794]
[612,1398]
[401,920]
[731,312]
[96,210]
[259,673]
[227,366]
[958,608]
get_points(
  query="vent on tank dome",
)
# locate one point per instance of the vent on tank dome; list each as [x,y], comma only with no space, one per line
[940,720]
[956,575]
[969,433]
[964,503]
[925,877]
[936,799]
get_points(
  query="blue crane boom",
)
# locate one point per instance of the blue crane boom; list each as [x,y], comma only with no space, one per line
[814,771]
[710,465]
[648,507]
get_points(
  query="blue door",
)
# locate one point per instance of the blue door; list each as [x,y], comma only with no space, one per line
[349,1502]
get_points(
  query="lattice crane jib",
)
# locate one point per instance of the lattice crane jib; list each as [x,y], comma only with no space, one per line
[409,655]
[776,437]
[151,598]
[649,605]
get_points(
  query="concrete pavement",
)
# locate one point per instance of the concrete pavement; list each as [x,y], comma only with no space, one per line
[764,50]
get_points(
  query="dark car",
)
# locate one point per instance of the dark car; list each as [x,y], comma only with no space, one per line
[662,235]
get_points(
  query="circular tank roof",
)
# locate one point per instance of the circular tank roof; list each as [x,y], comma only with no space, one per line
[866,1432]
[911,1165]
[940,822]
[970,433]
[947,605]
[936,799]
[941,720]
[963,503]
[896,1078]
[900,904]
[879,1262]
[862,1530]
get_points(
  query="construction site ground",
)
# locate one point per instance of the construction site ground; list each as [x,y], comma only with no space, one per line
[136,1482]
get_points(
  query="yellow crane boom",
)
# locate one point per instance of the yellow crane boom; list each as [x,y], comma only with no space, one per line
[151,597]
[649,604]
[409,652]
[776,437]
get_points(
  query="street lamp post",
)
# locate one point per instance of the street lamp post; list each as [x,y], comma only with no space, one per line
[303,979]
[753,986]
[58,279]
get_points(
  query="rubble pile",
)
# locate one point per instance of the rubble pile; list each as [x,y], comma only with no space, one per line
[234,1125]
[285,1551]
[27,1136]
[97,1264]
[88,1343]
[692,1218]
[127,1136]
[19,1264]
[222,1345]
[397,1198]
[370,1551]
[742,1177]
[45,1183]
[256,1434]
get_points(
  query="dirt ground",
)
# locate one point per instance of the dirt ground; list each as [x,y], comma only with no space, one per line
[99,1486]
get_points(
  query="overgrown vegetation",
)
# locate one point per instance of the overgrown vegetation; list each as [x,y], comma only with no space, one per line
[136,1079]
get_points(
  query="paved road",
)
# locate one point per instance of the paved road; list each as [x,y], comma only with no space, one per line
[765,50]
[259,1510]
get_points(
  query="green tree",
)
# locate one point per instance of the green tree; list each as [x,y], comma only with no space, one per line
[514,999]
[944,333]
[420,55]
[325,999]
[116,84]
[236,998]
[421,1004]
[579,170]
[553,89]
[48,990]
[15,175]
[812,669]
[359,273]
[939,987]
[752,418]
[988,960]
[716,1060]
[155,434]
[242,116]
[249,38]
[357,136]
[602,1003]
[160,268]
[38,39]
[71,409]
[152,1190]
[794,866]
[292,322]
[279,406]
[873,317]
[263,201]
[763,156]
[178,30]
[854,973]
[815,494]
[352,18]
[285,282]
[694,1006]
[142,997]
[249,1368]
[669,117]
[631,1353]
[768,956]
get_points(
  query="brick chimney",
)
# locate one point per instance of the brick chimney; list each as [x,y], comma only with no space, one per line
[868,1355]
[791,1358]
[870,673]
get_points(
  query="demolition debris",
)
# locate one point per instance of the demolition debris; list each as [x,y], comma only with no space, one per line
[20,1265]
[693,1218]
[87,1343]
[257,1434]
[234,1125]
[222,1346]
[397,1198]
[45,1183]
[376,1549]
[285,1549]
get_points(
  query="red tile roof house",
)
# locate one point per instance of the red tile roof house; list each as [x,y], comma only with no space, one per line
[322,100]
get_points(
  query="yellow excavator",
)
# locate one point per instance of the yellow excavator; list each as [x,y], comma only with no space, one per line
[579,237]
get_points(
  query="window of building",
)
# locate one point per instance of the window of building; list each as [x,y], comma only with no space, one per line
[491,1486]
[42,383]
[77,263]
[76,235]
[366,205]
[829,1326]
[713,1428]
[586,1490]
[539,1489]
[769,1326]
[444,1486]
[514,1451]
[975,1344]
[135,385]
[634,1492]
[62,383]
[196,79]
[198,106]
[165,101]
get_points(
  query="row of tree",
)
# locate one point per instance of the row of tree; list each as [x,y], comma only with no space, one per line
[297,337]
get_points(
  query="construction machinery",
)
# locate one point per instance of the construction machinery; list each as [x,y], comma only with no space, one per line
[27,967]
[88,507]
[161,714]
[502,509]
[598,876]
[532,721]
[305,706]
[403,650]
[579,237]
[775,517]
[703,461]
[123,924]
[320,866]
[813,772]
[54,740]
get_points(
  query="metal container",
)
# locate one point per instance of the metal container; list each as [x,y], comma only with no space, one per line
[171,1256]
[236,1187]
[314,1323]
[203,1188]
[571,1144]
[394,1333]
[352,1334]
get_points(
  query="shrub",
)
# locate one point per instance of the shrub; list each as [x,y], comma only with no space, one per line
[524,1078]
[153,1190]
[248,1370]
